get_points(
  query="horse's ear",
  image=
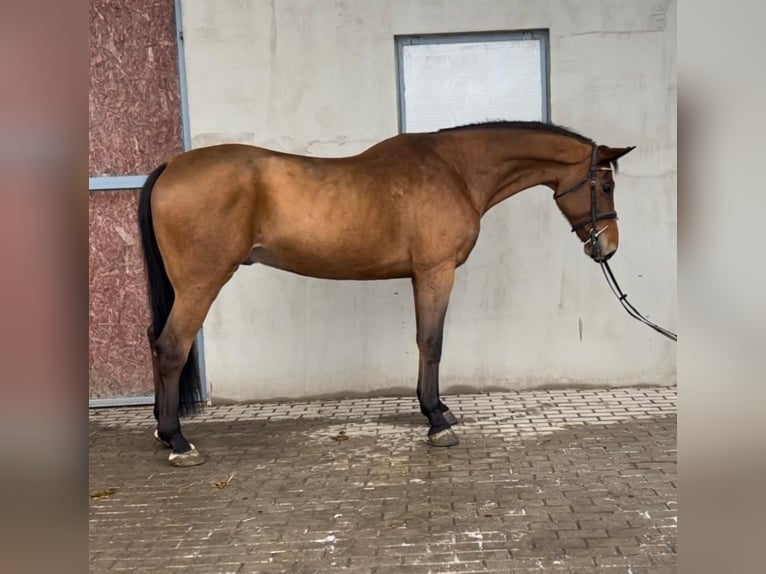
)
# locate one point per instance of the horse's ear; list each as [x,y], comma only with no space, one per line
[612,154]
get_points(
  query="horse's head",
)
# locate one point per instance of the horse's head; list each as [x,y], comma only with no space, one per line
[588,202]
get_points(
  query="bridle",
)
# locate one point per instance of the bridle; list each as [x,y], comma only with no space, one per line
[594,215]
[596,247]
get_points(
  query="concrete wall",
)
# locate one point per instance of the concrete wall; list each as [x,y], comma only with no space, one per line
[319,77]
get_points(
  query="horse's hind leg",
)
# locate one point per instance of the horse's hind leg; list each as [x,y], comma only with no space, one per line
[156,375]
[172,349]
[432,289]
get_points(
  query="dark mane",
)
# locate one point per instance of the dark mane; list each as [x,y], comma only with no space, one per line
[538,126]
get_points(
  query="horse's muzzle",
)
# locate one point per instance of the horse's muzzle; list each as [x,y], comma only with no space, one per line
[599,252]
[601,258]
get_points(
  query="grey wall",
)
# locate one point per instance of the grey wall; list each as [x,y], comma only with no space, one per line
[319,77]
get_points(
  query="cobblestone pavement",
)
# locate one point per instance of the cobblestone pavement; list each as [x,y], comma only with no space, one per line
[554,481]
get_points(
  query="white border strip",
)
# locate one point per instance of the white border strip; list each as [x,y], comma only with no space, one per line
[113,182]
[121,402]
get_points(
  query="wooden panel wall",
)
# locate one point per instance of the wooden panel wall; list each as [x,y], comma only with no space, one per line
[135,124]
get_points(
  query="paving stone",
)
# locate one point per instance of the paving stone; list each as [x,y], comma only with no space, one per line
[554,481]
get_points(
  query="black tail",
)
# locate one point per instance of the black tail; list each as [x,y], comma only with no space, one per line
[161,295]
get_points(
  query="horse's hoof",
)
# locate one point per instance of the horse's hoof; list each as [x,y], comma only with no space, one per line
[190,458]
[159,440]
[449,417]
[446,437]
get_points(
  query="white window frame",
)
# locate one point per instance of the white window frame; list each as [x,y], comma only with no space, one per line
[480,37]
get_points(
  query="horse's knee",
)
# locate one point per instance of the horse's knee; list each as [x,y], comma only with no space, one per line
[430,347]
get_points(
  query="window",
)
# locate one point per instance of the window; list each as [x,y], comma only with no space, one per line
[447,80]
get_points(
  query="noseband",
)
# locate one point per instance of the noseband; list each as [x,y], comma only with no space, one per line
[594,215]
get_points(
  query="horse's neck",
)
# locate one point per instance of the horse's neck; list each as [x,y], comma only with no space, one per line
[496,170]
[522,176]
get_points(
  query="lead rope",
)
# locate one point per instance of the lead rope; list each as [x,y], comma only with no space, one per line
[632,311]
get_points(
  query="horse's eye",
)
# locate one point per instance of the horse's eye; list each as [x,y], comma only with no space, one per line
[607,187]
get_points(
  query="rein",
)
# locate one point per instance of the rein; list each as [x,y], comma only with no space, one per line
[596,248]
[631,310]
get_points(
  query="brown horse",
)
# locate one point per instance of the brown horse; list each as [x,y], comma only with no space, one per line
[409,206]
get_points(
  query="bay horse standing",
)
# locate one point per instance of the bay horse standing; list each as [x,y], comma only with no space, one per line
[409,206]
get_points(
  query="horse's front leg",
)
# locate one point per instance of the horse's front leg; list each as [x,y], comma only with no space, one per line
[432,289]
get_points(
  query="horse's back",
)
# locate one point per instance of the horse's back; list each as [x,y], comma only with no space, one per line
[356,217]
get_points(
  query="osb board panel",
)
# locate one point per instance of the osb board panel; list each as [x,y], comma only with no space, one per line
[135,111]
[119,360]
